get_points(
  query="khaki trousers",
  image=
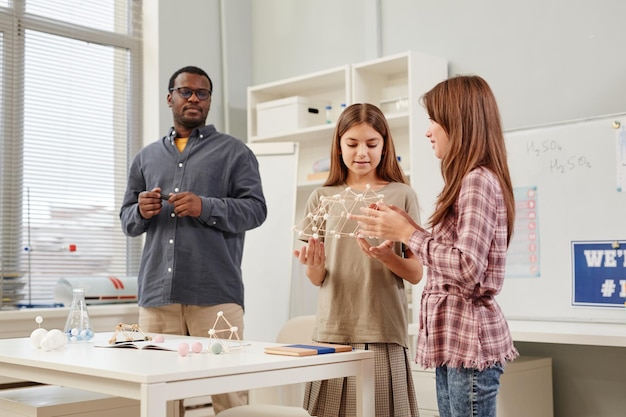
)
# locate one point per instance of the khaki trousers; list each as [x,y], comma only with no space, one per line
[196,321]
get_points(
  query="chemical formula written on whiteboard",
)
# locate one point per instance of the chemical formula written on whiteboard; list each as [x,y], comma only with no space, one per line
[552,152]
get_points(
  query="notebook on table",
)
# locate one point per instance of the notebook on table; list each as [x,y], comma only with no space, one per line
[307,349]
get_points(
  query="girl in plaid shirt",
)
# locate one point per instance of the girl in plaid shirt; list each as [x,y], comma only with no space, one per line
[463,332]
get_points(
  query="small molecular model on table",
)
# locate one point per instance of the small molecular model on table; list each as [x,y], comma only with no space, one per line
[130,333]
[216,345]
[221,345]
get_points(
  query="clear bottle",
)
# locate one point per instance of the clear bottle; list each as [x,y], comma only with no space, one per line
[77,326]
[329,114]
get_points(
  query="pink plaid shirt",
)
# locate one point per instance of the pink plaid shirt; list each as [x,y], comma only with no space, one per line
[461,324]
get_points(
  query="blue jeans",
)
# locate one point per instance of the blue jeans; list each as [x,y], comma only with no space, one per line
[467,392]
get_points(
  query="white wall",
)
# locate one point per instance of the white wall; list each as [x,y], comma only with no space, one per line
[189,32]
[292,38]
[547,60]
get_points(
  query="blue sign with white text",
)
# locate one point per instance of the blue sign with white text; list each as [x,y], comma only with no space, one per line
[599,273]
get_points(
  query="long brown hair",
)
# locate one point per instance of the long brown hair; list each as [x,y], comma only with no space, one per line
[388,169]
[466,109]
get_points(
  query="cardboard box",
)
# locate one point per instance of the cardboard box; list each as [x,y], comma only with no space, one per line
[288,114]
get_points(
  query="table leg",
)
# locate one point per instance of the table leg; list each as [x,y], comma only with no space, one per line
[365,389]
[153,400]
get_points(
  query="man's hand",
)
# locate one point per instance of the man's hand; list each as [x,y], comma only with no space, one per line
[150,203]
[186,204]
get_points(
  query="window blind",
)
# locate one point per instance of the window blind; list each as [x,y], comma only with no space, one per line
[71,90]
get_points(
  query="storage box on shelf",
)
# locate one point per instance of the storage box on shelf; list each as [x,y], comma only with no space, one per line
[527,377]
[329,87]
[289,114]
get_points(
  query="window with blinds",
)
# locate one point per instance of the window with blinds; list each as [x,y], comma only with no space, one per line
[70,118]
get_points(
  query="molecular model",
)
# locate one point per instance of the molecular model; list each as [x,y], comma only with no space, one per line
[222,345]
[47,340]
[334,210]
[129,332]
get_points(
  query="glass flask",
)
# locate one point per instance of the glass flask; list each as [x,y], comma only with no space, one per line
[77,327]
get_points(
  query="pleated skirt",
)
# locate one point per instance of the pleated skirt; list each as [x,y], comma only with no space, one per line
[394,391]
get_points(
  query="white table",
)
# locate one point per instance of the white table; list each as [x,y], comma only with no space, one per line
[569,332]
[155,377]
[563,332]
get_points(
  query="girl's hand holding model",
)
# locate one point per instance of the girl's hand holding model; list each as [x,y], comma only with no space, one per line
[313,256]
[385,222]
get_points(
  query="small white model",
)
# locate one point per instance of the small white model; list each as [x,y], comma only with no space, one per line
[218,345]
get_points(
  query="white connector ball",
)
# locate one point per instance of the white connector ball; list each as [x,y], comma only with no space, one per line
[37,335]
[53,340]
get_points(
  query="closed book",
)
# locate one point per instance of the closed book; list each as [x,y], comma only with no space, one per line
[307,349]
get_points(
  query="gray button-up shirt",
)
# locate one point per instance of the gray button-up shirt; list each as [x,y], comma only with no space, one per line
[187,260]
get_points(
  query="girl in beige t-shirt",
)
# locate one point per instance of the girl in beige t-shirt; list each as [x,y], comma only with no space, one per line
[362,300]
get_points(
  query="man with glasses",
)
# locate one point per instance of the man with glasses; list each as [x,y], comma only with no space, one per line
[194,193]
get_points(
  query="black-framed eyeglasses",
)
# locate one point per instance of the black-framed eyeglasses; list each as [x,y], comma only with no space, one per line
[186,92]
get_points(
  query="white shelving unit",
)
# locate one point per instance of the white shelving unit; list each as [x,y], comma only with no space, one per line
[331,87]
[394,83]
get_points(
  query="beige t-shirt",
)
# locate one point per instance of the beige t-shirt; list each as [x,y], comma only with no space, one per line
[360,301]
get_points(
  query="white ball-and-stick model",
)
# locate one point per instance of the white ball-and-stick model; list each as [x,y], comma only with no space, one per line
[130,333]
[47,340]
[337,207]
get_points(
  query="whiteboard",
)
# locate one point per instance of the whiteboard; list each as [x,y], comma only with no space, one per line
[266,264]
[576,170]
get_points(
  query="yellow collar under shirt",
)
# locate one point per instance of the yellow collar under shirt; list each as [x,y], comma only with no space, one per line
[181,143]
